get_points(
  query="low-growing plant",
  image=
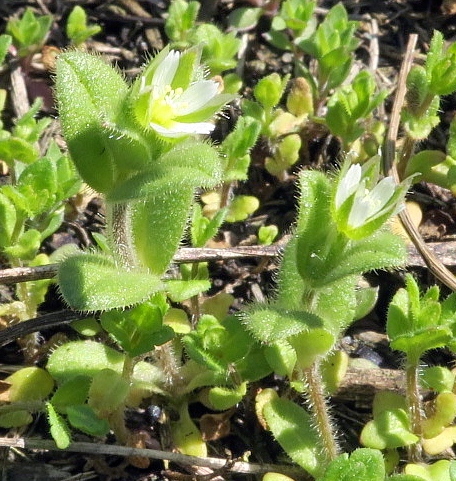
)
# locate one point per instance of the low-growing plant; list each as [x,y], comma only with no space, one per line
[77,28]
[152,337]
[32,206]
[29,33]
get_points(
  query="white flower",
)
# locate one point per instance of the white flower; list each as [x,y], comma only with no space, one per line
[362,203]
[371,203]
[172,98]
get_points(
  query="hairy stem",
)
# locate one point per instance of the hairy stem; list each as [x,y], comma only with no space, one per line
[319,406]
[414,406]
[119,230]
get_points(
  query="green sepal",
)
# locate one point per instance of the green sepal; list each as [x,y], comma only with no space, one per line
[83,417]
[58,428]
[93,282]
[137,330]
[363,464]
[97,127]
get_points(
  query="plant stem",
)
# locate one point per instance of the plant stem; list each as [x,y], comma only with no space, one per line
[406,153]
[320,411]
[119,229]
[414,406]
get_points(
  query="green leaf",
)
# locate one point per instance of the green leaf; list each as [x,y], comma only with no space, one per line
[390,427]
[82,358]
[437,471]
[270,323]
[415,323]
[93,282]
[219,49]
[13,148]
[362,465]
[29,384]
[7,220]
[293,429]
[282,357]
[241,207]
[71,392]
[5,42]
[437,378]
[244,17]
[84,418]
[311,345]
[77,28]
[29,32]
[269,90]
[181,19]
[203,229]
[186,436]
[180,291]
[137,330]
[15,419]
[107,392]
[222,398]
[58,427]
[158,225]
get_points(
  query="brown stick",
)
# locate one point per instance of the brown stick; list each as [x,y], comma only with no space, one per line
[432,262]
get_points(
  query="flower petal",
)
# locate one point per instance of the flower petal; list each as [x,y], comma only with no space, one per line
[197,95]
[348,184]
[166,69]
[179,129]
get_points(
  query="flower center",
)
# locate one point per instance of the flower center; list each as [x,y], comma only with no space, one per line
[164,105]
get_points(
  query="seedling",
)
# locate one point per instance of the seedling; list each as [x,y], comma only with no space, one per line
[77,28]
[29,33]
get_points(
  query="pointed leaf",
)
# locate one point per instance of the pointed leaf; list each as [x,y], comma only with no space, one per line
[92,282]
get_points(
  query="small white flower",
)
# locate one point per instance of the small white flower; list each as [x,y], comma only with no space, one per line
[362,203]
[173,101]
[348,184]
[371,203]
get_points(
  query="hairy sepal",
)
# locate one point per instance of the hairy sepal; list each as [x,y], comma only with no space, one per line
[96,123]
